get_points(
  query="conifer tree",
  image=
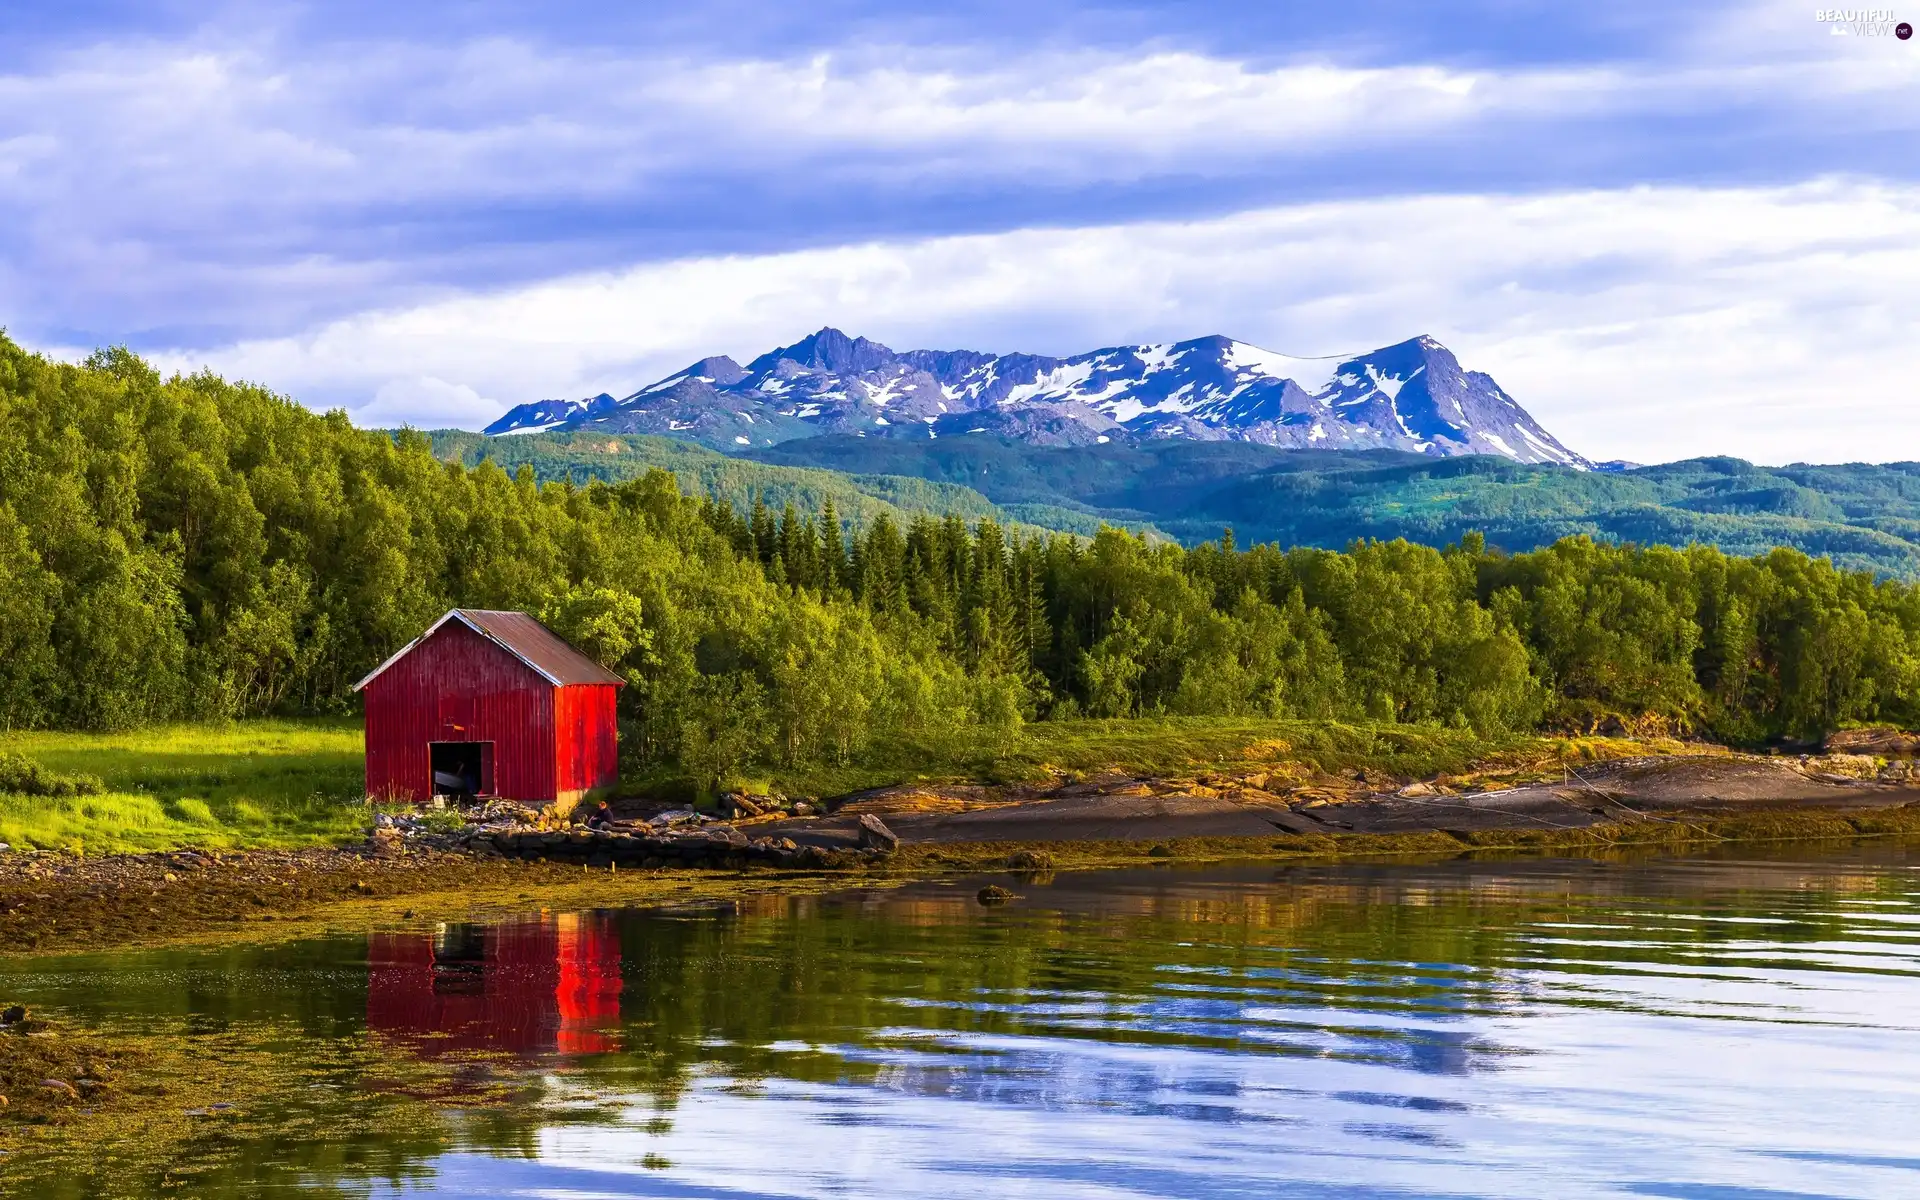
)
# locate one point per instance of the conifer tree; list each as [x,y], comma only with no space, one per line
[765,536]
[833,551]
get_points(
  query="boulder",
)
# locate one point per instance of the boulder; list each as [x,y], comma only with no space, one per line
[1881,743]
[874,834]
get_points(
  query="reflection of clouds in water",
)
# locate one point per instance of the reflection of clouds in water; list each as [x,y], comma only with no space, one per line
[1234,1033]
[820,1141]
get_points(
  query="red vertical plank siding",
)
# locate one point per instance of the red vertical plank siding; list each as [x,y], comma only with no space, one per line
[460,687]
[586,753]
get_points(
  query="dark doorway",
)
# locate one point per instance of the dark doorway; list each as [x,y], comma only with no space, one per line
[462,768]
[460,961]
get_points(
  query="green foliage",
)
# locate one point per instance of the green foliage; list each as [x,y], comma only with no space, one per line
[22,776]
[723,727]
[189,549]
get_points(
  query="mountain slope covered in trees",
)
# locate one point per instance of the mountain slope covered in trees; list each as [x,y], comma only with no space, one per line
[859,498]
[1864,516]
[189,547]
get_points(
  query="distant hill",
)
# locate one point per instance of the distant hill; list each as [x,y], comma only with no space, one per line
[1412,396]
[860,496]
[1862,516]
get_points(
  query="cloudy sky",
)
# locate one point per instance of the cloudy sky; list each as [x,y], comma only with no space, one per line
[1666,230]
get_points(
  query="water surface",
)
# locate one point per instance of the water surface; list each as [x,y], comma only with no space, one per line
[1724,1028]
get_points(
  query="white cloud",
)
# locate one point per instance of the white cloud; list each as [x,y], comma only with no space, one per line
[242,126]
[465,116]
[427,402]
[256,184]
[1647,323]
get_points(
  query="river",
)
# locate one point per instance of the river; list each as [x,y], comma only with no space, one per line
[1732,1027]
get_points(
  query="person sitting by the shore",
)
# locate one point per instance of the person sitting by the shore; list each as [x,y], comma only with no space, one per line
[601,817]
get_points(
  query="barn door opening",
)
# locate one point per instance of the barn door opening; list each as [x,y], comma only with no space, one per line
[459,961]
[462,768]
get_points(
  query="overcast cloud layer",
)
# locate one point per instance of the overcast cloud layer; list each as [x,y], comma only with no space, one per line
[1666,235]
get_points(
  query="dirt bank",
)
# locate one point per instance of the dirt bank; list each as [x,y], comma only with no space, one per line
[1124,808]
[51,903]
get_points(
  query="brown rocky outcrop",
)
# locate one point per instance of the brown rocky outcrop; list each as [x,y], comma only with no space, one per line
[1881,743]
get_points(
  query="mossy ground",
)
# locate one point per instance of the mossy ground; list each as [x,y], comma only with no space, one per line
[196,1110]
[263,897]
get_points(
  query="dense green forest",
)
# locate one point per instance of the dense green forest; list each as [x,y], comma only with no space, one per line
[1863,516]
[193,548]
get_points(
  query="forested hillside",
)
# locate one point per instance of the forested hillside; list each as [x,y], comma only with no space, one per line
[585,457]
[193,548]
[1862,515]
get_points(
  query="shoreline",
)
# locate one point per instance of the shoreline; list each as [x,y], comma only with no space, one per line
[54,906]
[136,1081]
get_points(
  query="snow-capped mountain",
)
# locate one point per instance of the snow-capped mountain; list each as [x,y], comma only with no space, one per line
[1410,396]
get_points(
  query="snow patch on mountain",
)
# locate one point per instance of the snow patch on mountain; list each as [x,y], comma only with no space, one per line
[1410,396]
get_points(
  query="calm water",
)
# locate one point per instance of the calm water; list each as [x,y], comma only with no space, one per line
[1700,1028]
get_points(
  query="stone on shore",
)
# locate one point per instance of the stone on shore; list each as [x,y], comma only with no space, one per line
[874,834]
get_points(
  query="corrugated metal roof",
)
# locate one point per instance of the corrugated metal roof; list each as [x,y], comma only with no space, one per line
[521,636]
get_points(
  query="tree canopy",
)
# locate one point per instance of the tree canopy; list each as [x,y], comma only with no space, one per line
[192,548]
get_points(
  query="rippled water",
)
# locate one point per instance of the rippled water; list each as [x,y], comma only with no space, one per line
[1713,1028]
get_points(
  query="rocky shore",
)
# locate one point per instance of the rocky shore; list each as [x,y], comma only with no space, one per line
[1625,792]
[506,855]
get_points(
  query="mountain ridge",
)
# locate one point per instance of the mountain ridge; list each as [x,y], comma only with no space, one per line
[1411,396]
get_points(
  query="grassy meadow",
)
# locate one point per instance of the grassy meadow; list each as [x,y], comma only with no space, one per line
[245,784]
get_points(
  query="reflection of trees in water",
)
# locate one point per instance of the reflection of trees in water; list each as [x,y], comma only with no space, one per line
[1068,998]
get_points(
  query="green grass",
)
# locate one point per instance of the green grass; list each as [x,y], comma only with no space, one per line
[251,784]
[1161,746]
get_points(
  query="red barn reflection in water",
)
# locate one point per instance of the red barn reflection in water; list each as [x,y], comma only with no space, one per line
[548,983]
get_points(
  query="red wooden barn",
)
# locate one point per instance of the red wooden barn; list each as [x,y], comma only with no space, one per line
[490,704]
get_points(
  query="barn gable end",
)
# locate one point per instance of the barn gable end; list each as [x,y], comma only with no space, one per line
[495,700]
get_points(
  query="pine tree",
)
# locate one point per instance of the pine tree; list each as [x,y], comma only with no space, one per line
[760,526]
[833,552]
[792,548]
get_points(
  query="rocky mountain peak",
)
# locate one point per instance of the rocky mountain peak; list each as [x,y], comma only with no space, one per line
[1411,396]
